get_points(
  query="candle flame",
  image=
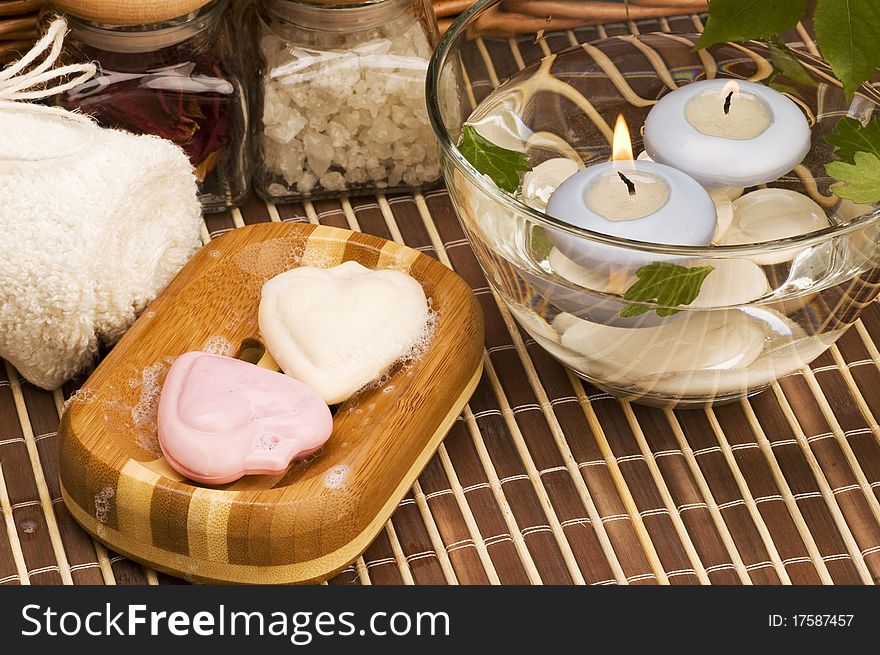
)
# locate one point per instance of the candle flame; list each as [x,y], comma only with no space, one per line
[730,87]
[621,145]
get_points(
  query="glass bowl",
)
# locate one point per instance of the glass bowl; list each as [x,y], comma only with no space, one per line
[764,311]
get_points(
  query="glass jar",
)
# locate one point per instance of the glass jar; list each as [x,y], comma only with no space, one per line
[181,80]
[340,103]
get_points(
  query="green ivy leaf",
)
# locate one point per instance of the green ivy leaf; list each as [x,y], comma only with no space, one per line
[850,137]
[501,164]
[859,181]
[668,285]
[736,20]
[848,32]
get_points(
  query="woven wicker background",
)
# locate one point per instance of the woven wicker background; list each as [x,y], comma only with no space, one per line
[544,479]
[18,26]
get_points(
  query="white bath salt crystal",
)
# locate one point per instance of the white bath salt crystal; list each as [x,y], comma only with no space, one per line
[306,182]
[332,181]
[356,109]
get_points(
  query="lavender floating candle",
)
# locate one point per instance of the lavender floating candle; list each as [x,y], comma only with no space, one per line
[727,133]
[635,200]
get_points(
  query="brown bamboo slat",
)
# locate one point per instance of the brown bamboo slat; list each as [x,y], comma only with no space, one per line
[545,479]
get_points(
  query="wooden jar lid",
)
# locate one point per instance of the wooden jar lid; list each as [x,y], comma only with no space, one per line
[129,12]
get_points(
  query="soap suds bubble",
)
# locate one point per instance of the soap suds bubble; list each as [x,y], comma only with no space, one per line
[218,346]
[145,412]
[317,259]
[265,260]
[79,397]
[409,359]
[337,477]
[420,347]
[267,443]
[102,504]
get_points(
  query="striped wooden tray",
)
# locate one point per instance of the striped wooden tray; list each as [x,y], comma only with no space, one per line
[542,478]
[312,520]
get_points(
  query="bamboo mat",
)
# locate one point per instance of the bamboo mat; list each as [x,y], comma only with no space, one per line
[544,479]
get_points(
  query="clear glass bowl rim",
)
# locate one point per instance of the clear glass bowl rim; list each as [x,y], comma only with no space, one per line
[436,66]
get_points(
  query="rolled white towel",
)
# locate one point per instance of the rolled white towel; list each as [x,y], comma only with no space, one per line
[94,223]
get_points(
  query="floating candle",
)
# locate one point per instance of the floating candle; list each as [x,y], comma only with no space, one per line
[636,200]
[340,328]
[730,133]
[222,418]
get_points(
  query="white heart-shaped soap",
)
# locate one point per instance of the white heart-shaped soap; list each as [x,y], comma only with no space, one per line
[337,329]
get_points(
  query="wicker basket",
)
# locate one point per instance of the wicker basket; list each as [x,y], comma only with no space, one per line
[18,18]
[18,26]
[532,15]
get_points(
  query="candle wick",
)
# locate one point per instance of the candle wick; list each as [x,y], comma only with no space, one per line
[727,102]
[629,184]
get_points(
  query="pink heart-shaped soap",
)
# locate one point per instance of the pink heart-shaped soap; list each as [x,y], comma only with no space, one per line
[222,418]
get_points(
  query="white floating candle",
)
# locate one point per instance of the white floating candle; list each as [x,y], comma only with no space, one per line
[635,200]
[730,133]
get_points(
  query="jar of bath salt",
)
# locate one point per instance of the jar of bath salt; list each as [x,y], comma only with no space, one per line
[172,74]
[340,103]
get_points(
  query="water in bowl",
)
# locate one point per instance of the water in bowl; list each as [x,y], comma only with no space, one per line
[759,316]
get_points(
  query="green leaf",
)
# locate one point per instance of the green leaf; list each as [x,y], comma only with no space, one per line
[850,137]
[668,285]
[541,243]
[501,164]
[786,66]
[848,34]
[631,311]
[736,20]
[859,181]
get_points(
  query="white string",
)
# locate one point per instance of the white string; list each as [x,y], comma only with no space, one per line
[15,84]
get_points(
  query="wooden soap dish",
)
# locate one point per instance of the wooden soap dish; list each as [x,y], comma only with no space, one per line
[316,518]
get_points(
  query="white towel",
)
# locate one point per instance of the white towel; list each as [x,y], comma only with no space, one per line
[94,223]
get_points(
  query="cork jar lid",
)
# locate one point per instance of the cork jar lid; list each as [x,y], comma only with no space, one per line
[129,12]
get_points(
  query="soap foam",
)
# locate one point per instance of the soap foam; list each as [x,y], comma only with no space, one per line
[317,259]
[266,443]
[144,415]
[79,397]
[102,504]
[337,477]
[404,363]
[218,346]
